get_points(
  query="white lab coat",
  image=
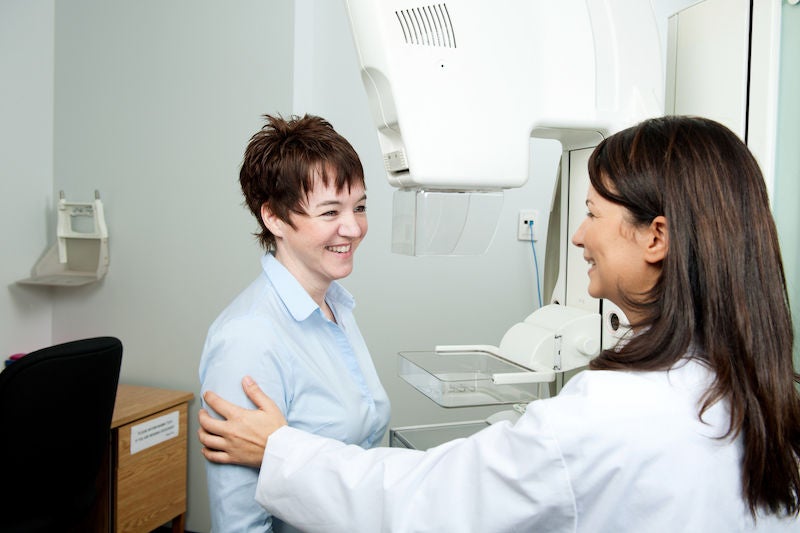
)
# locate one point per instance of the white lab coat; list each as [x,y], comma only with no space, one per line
[613,452]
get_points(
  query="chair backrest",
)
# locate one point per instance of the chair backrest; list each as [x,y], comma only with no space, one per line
[56,406]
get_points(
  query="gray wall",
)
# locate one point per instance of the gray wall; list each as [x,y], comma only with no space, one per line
[152,104]
[787,172]
[26,168]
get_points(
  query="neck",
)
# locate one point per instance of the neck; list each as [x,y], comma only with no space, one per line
[317,291]
[313,287]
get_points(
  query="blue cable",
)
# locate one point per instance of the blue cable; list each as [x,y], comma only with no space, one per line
[536,264]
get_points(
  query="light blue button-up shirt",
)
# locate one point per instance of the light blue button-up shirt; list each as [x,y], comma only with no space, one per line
[319,372]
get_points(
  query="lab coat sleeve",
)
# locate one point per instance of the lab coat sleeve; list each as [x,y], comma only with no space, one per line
[505,478]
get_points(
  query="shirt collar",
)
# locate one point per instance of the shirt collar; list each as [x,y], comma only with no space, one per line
[294,296]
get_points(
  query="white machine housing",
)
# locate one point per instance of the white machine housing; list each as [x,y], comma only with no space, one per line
[456,91]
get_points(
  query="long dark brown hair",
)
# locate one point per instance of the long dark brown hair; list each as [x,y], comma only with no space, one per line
[722,287]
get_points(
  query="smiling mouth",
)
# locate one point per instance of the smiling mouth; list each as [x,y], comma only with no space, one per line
[339,249]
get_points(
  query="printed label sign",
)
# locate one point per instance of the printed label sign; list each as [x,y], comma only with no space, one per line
[154,431]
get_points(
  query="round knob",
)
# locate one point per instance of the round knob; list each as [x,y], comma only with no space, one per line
[588,346]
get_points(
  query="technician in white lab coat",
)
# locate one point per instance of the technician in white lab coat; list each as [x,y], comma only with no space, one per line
[691,425]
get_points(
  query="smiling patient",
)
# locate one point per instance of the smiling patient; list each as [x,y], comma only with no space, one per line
[293,328]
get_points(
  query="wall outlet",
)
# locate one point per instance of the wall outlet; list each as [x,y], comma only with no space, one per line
[523,227]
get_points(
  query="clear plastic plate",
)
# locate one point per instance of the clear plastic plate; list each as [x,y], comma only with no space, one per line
[463,379]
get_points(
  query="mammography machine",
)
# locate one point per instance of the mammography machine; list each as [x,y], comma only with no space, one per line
[456,91]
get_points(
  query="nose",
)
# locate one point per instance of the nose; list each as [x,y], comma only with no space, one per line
[353,226]
[577,237]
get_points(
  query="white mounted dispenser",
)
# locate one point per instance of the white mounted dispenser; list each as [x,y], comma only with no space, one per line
[80,254]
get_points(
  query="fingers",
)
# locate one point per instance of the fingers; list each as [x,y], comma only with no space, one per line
[208,437]
[209,424]
[216,456]
[214,446]
[257,396]
[220,405]
[211,442]
[241,436]
[263,402]
[207,429]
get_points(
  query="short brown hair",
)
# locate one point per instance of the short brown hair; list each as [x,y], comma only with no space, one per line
[282,161]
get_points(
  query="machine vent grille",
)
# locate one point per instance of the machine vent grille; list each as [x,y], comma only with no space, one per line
[427,26]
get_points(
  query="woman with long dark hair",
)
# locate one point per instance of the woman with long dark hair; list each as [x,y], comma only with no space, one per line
[721,294]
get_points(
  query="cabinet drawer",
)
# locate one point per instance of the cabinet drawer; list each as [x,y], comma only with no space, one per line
[150,478]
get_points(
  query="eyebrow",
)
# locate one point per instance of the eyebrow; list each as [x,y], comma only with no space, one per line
[337,202]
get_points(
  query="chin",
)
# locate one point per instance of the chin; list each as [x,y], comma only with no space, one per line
[341,274]
[596,294]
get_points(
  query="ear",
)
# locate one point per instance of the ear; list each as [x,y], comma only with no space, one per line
[657,243]
[274,224]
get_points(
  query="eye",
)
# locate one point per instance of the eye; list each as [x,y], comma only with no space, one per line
[589,214]
[329,214]
[361,209]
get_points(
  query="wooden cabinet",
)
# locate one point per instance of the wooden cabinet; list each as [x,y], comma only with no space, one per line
[148,462]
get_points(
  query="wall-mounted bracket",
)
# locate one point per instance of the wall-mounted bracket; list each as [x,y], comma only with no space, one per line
[80,255]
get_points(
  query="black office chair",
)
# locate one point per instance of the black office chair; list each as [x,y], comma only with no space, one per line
[56,406]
